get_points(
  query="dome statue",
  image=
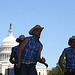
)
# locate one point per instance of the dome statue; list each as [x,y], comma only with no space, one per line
[9,41]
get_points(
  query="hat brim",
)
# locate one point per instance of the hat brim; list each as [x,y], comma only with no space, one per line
[31,31]
[18,40]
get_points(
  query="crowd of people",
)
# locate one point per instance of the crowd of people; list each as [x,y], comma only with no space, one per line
[26,55]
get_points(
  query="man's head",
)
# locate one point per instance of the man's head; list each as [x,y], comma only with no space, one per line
[36,30]
[71,41]
[20,38]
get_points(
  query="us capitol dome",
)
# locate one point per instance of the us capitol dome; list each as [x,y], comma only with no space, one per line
[5,51]
[9,41]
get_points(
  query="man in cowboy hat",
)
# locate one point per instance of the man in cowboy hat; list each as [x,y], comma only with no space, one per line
[30,52]
[14,54]
[69,53]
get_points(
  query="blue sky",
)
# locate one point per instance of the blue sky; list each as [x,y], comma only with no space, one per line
[56,16]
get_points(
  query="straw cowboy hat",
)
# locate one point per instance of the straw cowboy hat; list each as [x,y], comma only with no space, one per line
[37,26]
[72,38]
[21,38]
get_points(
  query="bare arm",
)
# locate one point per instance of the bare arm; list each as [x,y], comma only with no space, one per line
[23,44]
[60,61]
[41,60]
[12,56]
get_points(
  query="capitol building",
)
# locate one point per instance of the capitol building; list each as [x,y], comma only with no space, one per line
[5,51]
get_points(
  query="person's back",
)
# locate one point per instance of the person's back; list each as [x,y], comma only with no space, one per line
[14,54]
[69,53]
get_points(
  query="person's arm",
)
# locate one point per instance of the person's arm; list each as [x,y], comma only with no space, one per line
[60,61]
[23,44]
[41,60]
[12,56]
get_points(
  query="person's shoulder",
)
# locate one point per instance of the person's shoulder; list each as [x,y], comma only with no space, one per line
[26,38]
[40,42]
[30,37]
[68,48]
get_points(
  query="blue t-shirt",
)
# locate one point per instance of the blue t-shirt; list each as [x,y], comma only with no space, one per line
[70,58]
[16,53]
[29,54]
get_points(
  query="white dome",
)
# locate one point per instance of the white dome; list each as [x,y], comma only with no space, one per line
[9,41]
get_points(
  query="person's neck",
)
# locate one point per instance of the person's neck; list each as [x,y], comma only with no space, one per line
[36,38]
[73,48]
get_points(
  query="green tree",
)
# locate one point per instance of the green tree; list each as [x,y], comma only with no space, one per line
[57,70]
